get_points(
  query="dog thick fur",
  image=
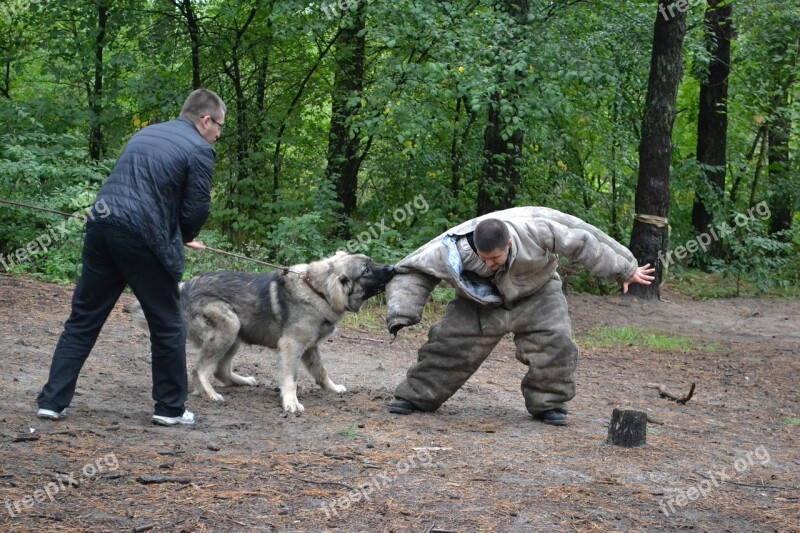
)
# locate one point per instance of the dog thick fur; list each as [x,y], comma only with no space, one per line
[292,313]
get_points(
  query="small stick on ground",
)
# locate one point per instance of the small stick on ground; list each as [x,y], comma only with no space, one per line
[662,390]
[334,483]
[377,341]
[148,480]
[23,437]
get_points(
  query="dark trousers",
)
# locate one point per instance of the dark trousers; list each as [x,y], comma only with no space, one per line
[112,259]
[462,340]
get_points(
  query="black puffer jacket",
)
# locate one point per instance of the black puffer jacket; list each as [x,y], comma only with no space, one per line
[160,189]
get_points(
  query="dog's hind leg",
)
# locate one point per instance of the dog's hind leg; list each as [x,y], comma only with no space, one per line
[313,363]
[225,373]
[204,370]
[217,332]
[192,352]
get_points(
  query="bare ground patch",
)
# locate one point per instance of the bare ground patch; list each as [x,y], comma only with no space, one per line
[479,464]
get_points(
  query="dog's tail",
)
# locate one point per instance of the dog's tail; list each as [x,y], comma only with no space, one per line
[137,313]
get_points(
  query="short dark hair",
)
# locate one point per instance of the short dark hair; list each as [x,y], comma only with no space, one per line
[202,102]
[491,234]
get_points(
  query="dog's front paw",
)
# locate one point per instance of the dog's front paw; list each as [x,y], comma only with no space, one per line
[293,405]
[338,388]
[250,381]
[216,397]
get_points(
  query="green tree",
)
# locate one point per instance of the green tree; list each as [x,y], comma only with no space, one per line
[712,122]
[655,150]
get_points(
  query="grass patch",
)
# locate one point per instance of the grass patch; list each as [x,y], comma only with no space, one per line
[373,313]
[792,422]
[350,433]
[606,337]
[700,285]
[705,286]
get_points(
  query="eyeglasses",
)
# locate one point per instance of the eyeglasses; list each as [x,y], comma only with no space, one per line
[221,126]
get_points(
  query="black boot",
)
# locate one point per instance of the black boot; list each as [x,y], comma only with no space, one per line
[402,407]
[553,418]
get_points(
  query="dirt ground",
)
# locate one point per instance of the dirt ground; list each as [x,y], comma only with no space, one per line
[728,460]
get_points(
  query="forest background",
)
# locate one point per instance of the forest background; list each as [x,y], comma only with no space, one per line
[373,126]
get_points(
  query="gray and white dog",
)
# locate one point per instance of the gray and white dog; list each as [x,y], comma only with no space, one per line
[293,312]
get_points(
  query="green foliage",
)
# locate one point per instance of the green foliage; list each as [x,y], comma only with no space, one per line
[705,286]
[756,258]
[698,284]
[571,76]
[578,279]
[608,337]
[199,261]
[48,171]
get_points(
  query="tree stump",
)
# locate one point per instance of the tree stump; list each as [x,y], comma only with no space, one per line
[628,428]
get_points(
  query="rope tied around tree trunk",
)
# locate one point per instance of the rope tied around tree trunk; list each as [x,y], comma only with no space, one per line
[661,223]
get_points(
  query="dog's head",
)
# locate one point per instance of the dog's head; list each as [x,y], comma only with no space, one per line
[349,280]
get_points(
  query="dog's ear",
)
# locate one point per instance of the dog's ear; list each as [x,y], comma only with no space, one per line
[335,289]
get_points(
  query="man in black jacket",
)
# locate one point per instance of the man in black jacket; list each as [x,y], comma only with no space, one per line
[156,199]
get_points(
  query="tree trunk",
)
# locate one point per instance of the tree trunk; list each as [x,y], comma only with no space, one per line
[248,198]
[344,159]
[194,39]
[712,123]
[277,155]
[6,89]
[781,201]
[96,140]
[760,163]
[455,155]
[502,152]
[501,173]
[241,140]
[784,57]
[655,148]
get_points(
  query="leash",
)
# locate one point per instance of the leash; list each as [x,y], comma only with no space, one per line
[43,209]
[283,268]
[51,211]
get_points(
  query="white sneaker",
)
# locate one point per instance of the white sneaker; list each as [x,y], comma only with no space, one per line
[47,414]
[186,418]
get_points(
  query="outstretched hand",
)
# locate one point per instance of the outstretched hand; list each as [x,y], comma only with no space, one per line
[643,275]
[197,245]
